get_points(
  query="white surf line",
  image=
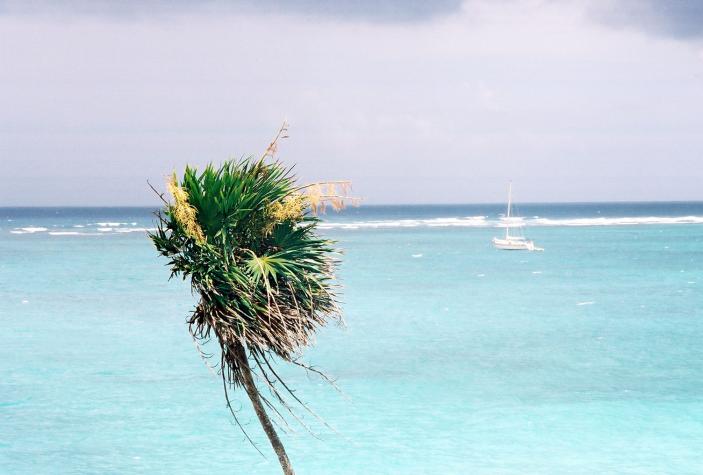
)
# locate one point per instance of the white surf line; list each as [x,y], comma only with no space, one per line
[483,222]
[29,230]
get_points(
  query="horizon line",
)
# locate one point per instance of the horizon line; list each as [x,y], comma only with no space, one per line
[384,204]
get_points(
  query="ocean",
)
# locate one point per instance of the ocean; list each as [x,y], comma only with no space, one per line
[456,358]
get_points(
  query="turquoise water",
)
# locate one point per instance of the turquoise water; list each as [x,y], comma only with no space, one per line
[456,358]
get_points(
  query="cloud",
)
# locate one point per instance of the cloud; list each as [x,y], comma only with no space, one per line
[391,11]
[682,19]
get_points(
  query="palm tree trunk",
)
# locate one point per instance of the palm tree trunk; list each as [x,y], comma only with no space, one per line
[253,394]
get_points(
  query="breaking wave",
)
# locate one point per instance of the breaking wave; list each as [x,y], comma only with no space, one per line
[471,221]
[627,221]
[29,230]
[83,230]
[120,228]
[482,221]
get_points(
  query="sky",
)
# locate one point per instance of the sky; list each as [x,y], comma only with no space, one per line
[414,101]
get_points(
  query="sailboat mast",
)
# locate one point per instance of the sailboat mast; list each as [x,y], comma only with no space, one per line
[507,216]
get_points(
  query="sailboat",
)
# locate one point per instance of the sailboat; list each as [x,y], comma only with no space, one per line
[513,242]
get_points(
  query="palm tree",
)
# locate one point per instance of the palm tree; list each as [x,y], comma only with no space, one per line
[244,233]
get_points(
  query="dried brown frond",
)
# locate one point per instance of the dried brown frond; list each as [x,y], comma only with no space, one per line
[333,193]
[273,146]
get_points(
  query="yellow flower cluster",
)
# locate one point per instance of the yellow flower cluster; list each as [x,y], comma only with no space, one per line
[290,209]
[183,211]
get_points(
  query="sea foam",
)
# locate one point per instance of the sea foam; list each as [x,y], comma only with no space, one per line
[28,230]
[482,222]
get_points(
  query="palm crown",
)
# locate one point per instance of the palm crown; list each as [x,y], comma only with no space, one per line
[242,234]
[245,235]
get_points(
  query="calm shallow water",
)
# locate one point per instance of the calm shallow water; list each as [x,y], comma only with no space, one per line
[456,358]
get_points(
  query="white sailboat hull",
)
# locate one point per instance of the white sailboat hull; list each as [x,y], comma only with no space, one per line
[515,245]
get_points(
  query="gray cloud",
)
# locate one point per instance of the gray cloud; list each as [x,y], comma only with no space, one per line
[673,18]
[669,18]
[365,10]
